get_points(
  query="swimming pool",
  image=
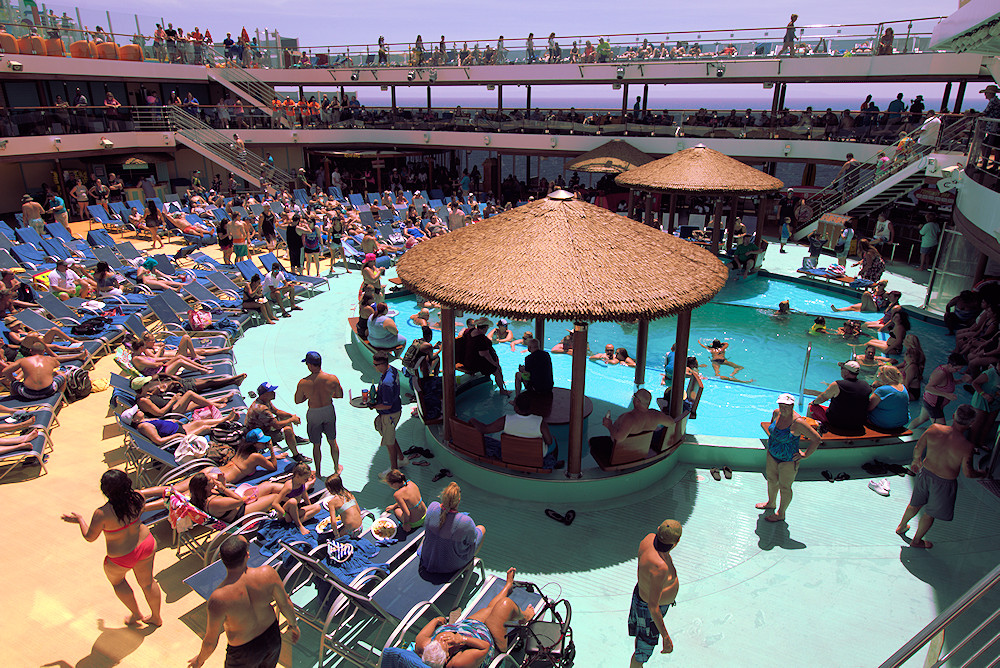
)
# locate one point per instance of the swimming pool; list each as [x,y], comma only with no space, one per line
[772,350]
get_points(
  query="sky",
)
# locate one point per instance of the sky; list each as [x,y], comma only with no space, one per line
[336,23]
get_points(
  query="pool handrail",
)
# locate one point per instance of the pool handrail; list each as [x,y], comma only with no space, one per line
[805,370]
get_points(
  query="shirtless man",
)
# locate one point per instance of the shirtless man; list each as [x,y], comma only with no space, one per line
[241,605]
[32,213]
[655,592]
[238,233]
[320,389]
[40,377]
[638,420]
[940,455]
[607,356]
[718,350]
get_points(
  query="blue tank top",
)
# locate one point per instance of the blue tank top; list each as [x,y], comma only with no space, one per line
[165,427]
[782,443]
[310,241]
[377,333]
[668,367]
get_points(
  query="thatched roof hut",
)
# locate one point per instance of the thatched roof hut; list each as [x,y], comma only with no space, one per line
[615,157]
[699,170]
[562,259]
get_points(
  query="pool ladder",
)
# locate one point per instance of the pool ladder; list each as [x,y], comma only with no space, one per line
[805,370]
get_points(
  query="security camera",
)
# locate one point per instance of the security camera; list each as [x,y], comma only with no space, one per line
[621,73]
[355,75]
[720,70]
[15,66]
[411,75]
[107,143]
[433,76]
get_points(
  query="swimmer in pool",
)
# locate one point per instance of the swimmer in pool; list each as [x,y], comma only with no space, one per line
[784,308]
[818,326]
[870,361]
[523,341]
[850,330]
[718,351]
[607,356]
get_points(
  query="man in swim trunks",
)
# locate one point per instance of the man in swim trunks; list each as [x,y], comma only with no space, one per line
[473,641]
[636,421]
[40,378]
[241,605]
[940,455]
[264,415]
[320,389]
[718,351]
[655,592]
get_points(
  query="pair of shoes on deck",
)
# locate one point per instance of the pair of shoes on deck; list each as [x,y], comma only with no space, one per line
[725,469]
[443,473]
[880,487]
[839,477]
[566,519]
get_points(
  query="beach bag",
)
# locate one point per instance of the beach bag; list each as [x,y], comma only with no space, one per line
[227,433]
[220,453]
[199,320]
[78,384]
[191,447]
[90,326]
[207,413]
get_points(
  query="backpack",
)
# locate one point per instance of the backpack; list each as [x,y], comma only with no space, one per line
[91,326]
[78,384]
[227,433]
[410,358]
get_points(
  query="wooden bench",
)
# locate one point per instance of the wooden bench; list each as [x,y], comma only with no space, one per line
[517,454]
[624,454]
[870,435]
[392,352]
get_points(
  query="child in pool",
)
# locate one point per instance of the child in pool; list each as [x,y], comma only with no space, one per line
[818,326]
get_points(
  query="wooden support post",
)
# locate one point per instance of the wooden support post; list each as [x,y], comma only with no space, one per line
[678,384]
[731,223]
[448,362]
[671,222]
[648,214]
[631,196]
[716,226]
[540,331]
[428,99]
[645,99]
[624,100]
[959,97]
[641,346]
[762,213]
[574,455]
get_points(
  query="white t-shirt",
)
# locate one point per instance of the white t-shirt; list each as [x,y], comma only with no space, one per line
[276,281]
[64,282]
[524,426]
[881,229]
[929,131]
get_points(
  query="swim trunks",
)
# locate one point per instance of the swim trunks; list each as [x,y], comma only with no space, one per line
[261,652]
[23,393]
[935,494]
[641,625]
[320,421]
[142,551]
[242,249]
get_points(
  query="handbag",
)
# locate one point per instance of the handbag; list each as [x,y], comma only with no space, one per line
[199,320]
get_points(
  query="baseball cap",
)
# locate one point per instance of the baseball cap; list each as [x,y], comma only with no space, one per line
[502,321]
[314,358]
[128,414]
[266,387]
[669,532]
[257,436]
[852,366]
[370,257]
[786,398]
[140,382]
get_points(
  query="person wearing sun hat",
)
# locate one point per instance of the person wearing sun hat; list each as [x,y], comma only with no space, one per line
[655,593]
[848,399]
[991,144]
[784,450]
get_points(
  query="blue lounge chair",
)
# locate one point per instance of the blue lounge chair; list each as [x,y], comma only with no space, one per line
[267,260]
[27,235]
[173,324]
[59,231]
[100,238]
[31,258]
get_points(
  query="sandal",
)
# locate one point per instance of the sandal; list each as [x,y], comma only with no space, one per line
[728,472]
[715,473]
[420,463]
[443,473]
[554,515]
[827,475]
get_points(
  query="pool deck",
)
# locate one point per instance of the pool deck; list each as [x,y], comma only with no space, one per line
[834,586]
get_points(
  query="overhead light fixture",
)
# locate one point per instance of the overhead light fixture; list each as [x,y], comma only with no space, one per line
[554,140]
[106,143]
[720,70]
[355,75]
[621,72]
[411,75]
[433,76]
[487,139]
[490,87]
[383,88]
[14,66]
[788,149]
[427,137]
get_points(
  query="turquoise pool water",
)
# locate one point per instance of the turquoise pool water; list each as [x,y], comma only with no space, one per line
[772,349]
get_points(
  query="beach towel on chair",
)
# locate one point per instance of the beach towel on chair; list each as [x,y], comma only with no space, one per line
[184,514]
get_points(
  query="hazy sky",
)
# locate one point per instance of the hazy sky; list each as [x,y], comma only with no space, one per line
[339,22]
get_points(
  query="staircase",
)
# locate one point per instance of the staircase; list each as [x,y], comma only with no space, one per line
[245,85]
[192,132]
[882,179]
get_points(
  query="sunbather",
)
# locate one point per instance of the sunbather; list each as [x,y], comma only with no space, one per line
[343,505]
[39,379]
[25,340]
[148,364]
[179,222]
[294,498]
[475,640]
[177,384]
[154,279]
[160,431]
[19,442]
[185,347]
[153,401]
[225,504]
[409,508]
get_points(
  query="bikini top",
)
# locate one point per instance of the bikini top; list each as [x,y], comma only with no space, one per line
[122,528]
[347,506]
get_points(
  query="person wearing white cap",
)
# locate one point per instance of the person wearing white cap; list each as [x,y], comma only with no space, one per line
[848,399]
[784,450]
[501,333]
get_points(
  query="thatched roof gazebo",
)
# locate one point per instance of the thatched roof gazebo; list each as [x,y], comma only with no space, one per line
[701,171]
[614,157]
[561,258]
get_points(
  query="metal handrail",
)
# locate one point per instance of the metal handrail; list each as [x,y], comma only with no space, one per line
[942,621]
[805,370]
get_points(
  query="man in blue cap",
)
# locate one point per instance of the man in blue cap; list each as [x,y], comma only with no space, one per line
[320,389]
[264,415]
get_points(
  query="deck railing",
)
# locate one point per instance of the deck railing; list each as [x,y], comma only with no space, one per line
[966,650]
[984,153]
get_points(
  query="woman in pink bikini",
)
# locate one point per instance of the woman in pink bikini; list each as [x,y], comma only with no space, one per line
[130,545]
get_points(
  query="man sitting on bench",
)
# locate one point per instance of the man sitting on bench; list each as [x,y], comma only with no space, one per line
[524,425]
[473,641]
[639,420]
[848,399]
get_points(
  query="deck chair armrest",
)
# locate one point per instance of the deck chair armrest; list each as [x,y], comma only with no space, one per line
[66,322]
[504,659]
[183,471]
[238,527]
[413,616]
[230,294]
